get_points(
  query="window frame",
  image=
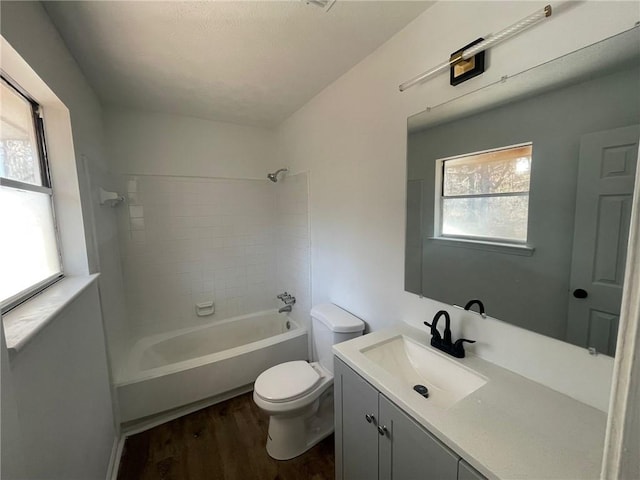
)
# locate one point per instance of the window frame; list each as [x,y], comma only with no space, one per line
[45,188]
[440,196]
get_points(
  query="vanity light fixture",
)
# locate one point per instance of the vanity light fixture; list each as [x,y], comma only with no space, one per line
[493,40]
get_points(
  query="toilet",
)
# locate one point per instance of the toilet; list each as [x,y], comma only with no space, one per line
[298,395]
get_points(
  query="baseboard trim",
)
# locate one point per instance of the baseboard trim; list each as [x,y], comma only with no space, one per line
[138,426]
[114,459]
[134,427]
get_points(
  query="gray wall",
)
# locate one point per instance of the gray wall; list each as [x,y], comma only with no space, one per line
[527,291]
[60,389]
[59,384]
[29,30]
[12,461]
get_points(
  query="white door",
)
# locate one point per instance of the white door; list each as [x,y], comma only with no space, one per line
[603,207]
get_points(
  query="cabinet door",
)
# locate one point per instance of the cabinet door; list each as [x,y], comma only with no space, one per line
[467,472]
[356,438]
[409,452]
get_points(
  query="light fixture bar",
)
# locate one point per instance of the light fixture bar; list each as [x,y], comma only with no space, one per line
[493,40]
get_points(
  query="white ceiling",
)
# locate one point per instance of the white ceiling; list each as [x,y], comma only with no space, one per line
[247,62]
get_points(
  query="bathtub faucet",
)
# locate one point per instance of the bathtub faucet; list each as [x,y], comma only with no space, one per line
[289,301]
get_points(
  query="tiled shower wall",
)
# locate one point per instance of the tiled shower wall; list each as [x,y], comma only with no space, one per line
[190,240]
[293,249]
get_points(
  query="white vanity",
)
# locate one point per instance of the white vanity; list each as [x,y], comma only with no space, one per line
[480,420]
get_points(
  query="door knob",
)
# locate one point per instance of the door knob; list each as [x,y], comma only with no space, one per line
[382,429]
[370,418]
[580,293]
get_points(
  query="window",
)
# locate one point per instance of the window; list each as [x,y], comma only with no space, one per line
[485,195]
[29,253]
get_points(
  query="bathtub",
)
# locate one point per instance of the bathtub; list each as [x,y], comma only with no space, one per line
[172,370]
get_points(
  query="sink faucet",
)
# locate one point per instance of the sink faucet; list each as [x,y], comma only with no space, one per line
[444,343]
[286,308]
[434,327]
[471,303]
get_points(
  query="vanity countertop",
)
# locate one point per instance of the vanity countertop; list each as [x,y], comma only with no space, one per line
[511,427]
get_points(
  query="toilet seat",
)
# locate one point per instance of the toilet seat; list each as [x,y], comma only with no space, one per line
[287,381]
[298,396]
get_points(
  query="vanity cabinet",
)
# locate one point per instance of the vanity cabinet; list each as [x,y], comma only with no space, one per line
[358,413]
[407,451]
[376,440]
[467,472]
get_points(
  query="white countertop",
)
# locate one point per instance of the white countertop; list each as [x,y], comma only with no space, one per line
[509,428]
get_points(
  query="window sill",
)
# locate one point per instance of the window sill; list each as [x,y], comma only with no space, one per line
[507,248]
[25,321]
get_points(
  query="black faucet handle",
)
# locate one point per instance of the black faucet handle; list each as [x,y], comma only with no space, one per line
[435,334]
[458,348]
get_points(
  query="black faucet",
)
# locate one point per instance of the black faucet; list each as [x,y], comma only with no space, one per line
[471,303]
[444,343]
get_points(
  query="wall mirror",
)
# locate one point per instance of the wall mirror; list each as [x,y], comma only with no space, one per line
[519,194]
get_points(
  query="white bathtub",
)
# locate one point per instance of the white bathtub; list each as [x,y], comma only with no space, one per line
[174,369]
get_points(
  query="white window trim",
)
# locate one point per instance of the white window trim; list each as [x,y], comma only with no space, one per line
[7,182]
[491,246]
[483,243]
[24,321]
[44,188]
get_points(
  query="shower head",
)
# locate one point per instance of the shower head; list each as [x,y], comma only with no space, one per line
[274,176]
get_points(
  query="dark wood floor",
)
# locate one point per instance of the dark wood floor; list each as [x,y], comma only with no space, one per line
[225,441]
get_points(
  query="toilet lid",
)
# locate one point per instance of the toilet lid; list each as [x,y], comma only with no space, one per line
[286,381]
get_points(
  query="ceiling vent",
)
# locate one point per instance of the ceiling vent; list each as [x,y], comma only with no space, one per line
[324,4]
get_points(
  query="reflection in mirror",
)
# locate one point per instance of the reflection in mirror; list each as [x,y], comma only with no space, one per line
[539,235]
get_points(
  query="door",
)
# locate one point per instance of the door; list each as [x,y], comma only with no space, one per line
[408,451]
[356,412]
[603,208]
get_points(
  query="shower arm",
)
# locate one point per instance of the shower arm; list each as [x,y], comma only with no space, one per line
[274,176]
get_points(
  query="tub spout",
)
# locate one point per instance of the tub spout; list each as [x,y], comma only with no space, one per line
[286,308]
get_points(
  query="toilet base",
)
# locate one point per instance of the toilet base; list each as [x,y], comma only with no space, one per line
[290,437]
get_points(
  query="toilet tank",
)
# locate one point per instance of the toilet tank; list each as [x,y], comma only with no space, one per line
[331,325]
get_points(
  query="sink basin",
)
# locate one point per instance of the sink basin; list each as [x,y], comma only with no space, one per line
[448,381]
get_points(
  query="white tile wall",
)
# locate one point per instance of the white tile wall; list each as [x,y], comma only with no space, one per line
[293,246]
[185,241]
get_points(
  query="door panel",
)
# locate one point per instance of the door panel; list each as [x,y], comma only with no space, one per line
[603,209]
[612,232]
